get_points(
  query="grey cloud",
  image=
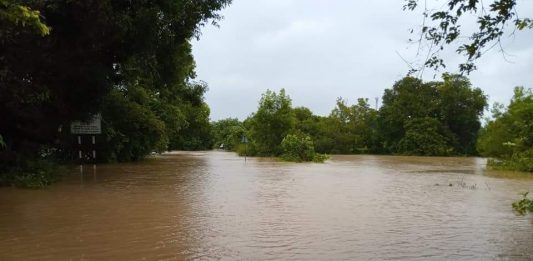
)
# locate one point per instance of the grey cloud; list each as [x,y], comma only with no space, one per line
[319,50]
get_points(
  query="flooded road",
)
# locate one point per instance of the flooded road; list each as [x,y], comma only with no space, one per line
[215,206]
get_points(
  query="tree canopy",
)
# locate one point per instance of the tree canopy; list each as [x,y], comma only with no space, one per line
[416,118]
[131,61]
[509,136]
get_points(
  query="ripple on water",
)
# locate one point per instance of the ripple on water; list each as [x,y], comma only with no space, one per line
[214,205]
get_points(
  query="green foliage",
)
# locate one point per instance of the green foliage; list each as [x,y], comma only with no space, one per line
[409,98]
[434,118]
[442,27]
[248,149]
[33,174]
[509,137]
[320,158]
[101,56]
[460,109]
[131,130]
[227,133]
[352,128]
[524,205]
[422,137]
[24,16]
[197,134]
[271,123]
[297,147]
[417,118]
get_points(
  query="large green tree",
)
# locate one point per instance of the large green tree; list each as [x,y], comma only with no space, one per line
[509,136]
[94,50]
[460,109]
[227,133]
[272,121]
[412,109]
[353,127]
[408,99]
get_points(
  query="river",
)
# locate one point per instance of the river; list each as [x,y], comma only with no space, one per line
[215,206]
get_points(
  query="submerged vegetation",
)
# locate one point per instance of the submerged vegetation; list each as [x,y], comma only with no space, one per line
[524,205]
[299,148]
[508,137]
[130,62]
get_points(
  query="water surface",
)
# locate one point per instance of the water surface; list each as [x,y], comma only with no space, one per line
[216,206]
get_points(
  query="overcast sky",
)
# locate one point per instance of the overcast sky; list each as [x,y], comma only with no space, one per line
[319,50]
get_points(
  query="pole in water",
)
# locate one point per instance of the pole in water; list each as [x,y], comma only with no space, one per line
[245,141]
[81,173]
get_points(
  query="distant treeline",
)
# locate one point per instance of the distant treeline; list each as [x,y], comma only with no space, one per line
[438,118]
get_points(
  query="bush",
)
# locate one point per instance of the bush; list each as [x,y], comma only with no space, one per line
[519,161]
[300,148]
[509,137]
[524,205]
[319,158]
[246,149]
[422,137]
[32,174]
[297,147]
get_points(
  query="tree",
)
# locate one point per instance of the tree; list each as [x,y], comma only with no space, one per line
[408,99]
[509,137]
[130,130]
[355,126]
[197,134]
[298,148]
[22,16]
[227,133]
[416,107]
[97,51]
[460,108]
[442,27]
[423,137]
[272,121]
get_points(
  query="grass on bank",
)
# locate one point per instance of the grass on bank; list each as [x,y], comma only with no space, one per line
[32,174]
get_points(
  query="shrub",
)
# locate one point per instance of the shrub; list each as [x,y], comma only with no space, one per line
[297,147]
[300,148]
[32,174]
[524,205]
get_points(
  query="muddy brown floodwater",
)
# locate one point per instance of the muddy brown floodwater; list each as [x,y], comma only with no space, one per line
[215,206]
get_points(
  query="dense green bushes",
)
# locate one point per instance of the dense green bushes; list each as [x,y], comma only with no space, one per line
[423,137]
[416,118]
[433,118]
[299,148]
[227,133]
[272,121]
[31,174]
[524,205]
[508,138]
[131,62]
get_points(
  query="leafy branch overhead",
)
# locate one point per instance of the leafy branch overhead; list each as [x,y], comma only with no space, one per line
[442,26]
[23,16]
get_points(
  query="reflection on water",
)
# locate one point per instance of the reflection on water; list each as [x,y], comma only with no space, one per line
[213,205]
